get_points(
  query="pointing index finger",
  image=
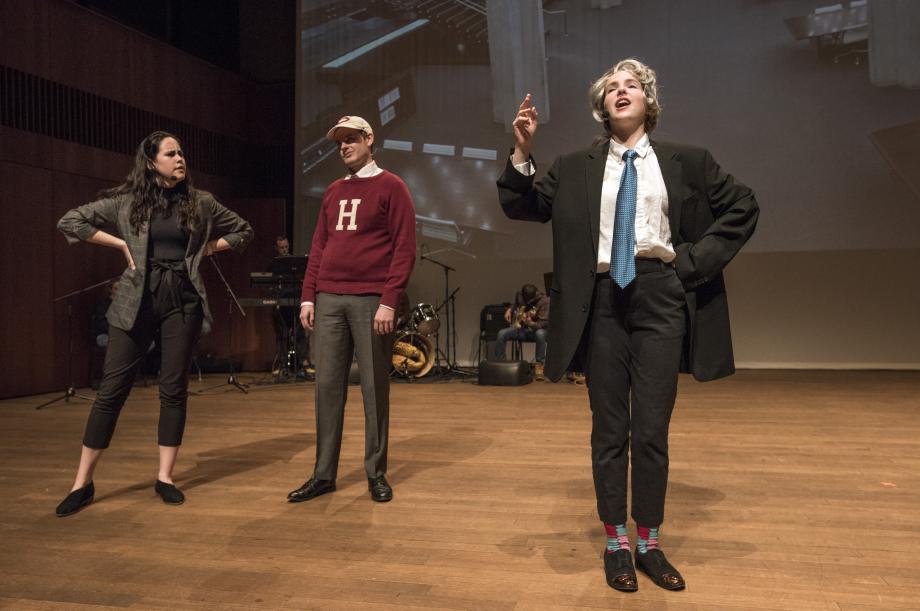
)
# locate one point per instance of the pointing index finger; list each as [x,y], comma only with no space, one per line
[526,103]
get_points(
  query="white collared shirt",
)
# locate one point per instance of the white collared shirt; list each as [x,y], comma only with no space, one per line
[653,233]
[371,169]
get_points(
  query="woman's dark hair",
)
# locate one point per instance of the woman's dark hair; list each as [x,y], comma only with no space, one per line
[146,192]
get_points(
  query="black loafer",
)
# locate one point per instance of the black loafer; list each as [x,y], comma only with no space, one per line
[619,570]
[311,489]
[380,489]
[76,500]
[169,493]
[659,570]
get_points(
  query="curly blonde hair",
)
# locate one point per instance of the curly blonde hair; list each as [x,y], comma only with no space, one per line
[645,75]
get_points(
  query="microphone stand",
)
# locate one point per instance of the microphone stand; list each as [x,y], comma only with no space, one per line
[447,269]
[450,313]
[71,391]
[231,301]
[452,330]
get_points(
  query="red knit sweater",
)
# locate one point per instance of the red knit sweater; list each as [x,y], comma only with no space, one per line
[364,241]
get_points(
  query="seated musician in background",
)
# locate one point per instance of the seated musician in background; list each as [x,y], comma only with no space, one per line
[529,319]
[282,246]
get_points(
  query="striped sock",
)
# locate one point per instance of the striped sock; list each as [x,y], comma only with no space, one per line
[616,537]
[648,538]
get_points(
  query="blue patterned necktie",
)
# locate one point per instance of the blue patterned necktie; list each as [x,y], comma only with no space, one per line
[623,253]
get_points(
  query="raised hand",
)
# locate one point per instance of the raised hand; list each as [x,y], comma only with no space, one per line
[525,126]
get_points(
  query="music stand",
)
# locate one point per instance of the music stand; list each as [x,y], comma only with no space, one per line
[292,266]
[71,391]
[231,301]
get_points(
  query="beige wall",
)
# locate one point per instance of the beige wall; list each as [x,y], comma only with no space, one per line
[838,310]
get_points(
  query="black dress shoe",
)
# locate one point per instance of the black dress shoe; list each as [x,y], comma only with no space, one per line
[76,500]
[380,489]
[619,570]
[169,493]
[656,566]
[311,489]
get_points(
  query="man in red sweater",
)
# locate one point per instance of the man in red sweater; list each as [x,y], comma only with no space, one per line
[362,255]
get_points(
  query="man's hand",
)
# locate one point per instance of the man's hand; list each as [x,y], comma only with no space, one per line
[306,317]
[508,315]
[525,127]
[384,320]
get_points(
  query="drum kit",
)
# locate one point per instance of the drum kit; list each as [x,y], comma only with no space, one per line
[414,350]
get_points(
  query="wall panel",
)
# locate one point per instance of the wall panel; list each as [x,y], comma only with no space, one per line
[28,362]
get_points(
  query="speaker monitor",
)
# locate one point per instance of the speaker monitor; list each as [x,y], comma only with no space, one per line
[505,373]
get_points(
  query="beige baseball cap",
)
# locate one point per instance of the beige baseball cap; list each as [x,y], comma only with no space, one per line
[352,122]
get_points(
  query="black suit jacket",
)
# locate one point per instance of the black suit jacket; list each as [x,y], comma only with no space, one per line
[711,216]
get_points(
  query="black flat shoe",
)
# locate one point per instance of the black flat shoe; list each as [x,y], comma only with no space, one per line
[659,570]
[311,489]
[76,500]
[380,489]
[619,570]
[169,493]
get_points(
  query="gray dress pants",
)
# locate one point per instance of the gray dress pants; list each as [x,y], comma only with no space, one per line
[344,326]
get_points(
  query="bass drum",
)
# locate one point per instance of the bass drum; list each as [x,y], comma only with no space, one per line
[424,319]
[413,354]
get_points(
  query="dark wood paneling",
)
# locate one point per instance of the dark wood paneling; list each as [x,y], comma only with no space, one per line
[130,67]
[23,26]
[21,147]
[27,347]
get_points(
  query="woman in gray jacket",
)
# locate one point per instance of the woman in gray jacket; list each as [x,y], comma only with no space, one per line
[164,227]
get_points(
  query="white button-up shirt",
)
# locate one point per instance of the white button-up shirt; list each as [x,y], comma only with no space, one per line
[653,233]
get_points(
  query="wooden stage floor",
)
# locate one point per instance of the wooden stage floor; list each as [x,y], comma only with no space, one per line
[789,490]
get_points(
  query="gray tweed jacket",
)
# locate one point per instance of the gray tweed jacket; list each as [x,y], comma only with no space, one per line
[113,214]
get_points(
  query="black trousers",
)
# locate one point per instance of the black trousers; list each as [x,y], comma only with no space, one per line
[633,358]
[178,317]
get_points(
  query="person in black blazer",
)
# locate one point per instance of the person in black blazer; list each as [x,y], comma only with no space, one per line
[164,228]
[642,230]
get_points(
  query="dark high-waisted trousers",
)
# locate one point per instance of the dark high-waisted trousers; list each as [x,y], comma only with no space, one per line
[633,358]
[172,305]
